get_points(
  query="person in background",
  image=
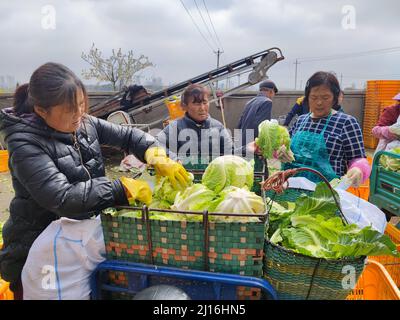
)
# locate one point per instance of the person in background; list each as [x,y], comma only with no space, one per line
[196,132]
[326,140]
[339,107]
[57,166]
[301,107]
[133,94]
[257,110]
[388,118]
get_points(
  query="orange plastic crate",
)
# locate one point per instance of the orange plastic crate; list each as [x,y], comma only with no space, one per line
[370,142]
[392,264]
[3,161]
[375,283]
[378,96]
[362,191]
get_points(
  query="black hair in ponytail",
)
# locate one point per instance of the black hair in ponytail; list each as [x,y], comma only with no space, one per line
[21,100]
[51,84]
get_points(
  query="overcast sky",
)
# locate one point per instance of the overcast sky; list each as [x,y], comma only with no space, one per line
[163,31]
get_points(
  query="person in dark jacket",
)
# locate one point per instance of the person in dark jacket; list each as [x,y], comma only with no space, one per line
[301,107]
[256,111]
[196,132]
[56,163]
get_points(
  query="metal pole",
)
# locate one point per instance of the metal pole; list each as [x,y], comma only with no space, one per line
[295,76]
[218,53]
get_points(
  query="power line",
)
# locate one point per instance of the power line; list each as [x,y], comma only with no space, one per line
[202,18]
[346,56]
[372,76]
[197,27]
[352,55]
[212,25]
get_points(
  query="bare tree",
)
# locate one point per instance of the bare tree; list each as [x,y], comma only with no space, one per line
[118,69]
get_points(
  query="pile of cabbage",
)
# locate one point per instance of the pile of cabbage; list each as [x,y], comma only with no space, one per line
[311,226]
[390,163]
[224,188]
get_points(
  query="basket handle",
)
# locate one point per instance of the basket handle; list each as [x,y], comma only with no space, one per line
[276,183]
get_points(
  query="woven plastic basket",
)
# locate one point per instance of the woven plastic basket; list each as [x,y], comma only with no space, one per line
[375,283]
[235,248]
[229,247]
[298,277]
[392,264]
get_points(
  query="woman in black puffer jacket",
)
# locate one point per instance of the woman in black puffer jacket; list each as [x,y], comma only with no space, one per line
[56,163]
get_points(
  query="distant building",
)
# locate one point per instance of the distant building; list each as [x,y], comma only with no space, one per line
[7,82]
[99,87]
[154,84]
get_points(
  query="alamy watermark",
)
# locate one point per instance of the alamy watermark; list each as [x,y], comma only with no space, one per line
[349,280]
[349,18]
[48,20]
[49,277]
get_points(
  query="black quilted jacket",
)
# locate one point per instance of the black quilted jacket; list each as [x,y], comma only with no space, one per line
[57,175]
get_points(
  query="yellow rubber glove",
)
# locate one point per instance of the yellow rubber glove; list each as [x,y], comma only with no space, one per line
[166,167]
[137,190]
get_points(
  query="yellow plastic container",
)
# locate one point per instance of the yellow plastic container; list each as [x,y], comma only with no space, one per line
[174,108]
[392,264]
[375,283]
[5,292]
[4,161]
[362,191]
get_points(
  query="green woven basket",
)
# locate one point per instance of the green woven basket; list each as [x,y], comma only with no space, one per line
[229,247]
[298,277]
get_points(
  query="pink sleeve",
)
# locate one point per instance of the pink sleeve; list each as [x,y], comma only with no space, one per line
[363,165]
[383,133]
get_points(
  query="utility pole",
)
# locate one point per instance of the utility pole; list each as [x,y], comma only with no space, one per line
[295,75]
[341,79]
[218,53]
